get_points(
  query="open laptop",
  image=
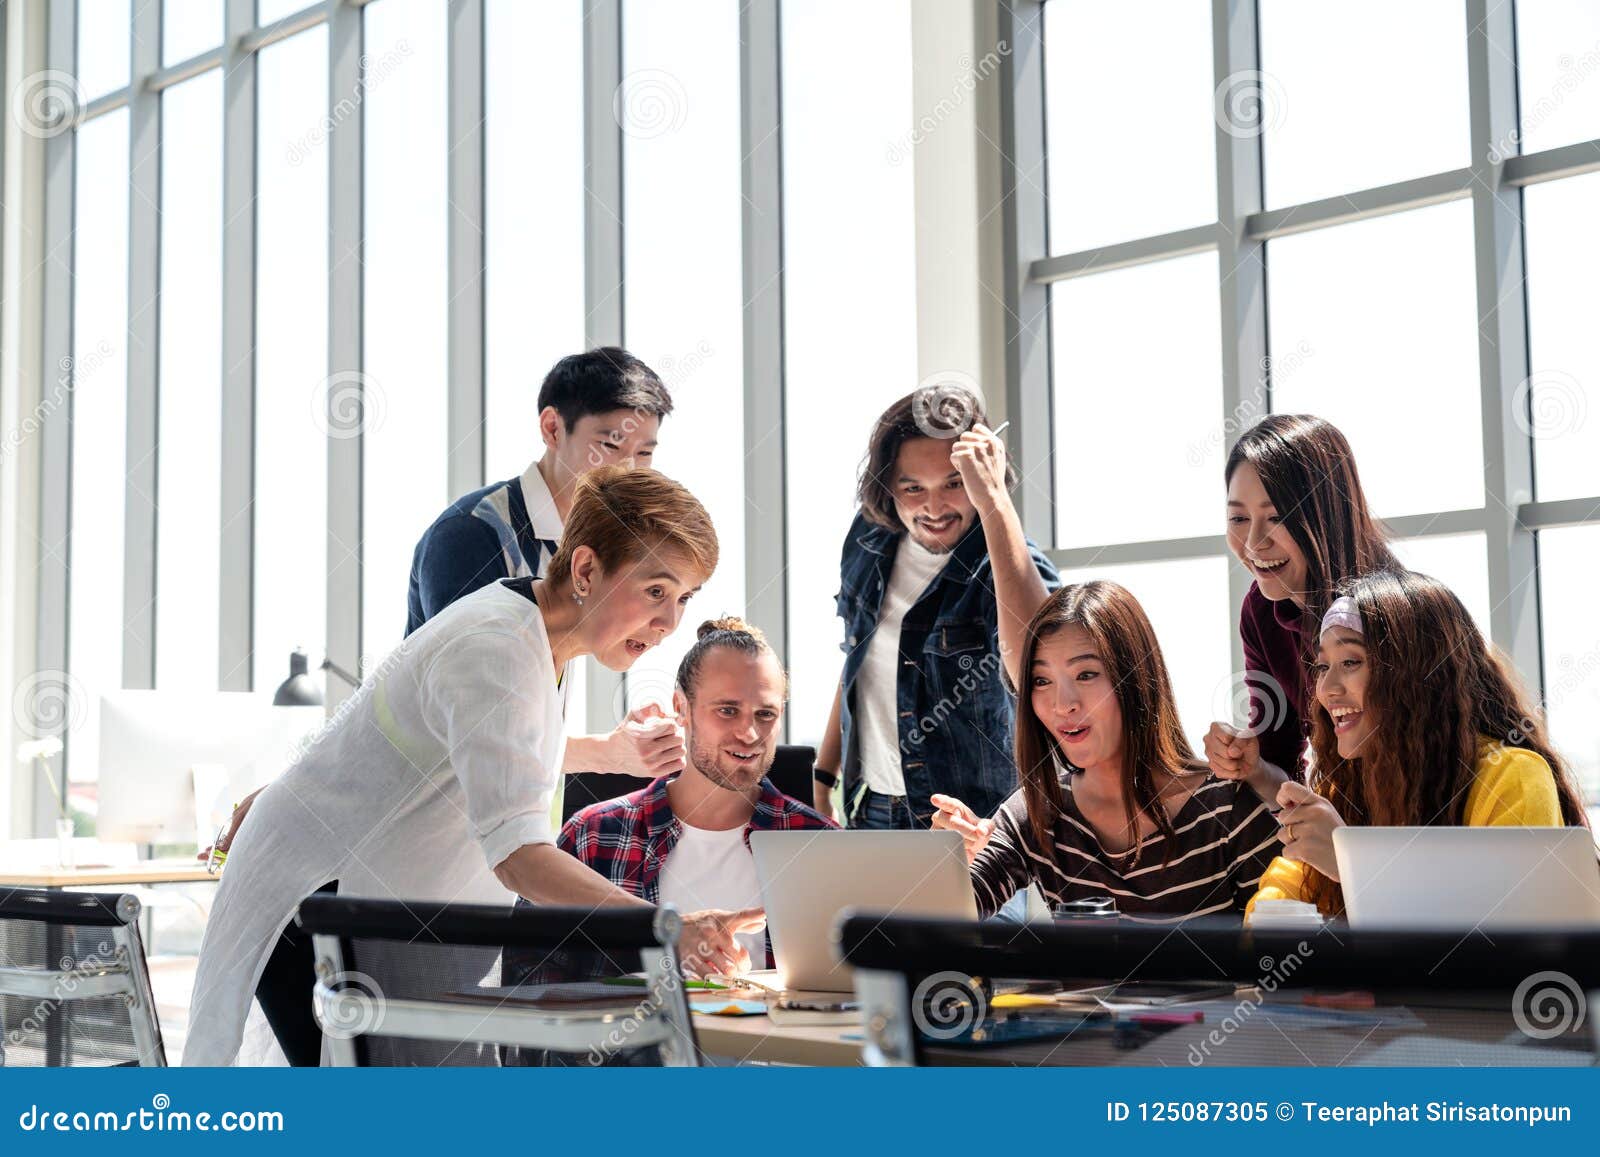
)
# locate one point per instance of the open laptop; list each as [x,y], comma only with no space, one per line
[808,878]
[1460,878]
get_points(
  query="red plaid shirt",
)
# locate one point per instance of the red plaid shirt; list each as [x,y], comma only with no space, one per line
[628,840]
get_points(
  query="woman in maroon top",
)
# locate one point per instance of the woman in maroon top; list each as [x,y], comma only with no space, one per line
[1298,521]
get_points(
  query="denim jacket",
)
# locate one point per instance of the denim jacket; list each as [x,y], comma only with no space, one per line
[956,715]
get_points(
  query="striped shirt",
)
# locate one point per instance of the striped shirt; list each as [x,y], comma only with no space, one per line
[1223,838]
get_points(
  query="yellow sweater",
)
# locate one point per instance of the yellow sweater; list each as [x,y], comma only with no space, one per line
[1511,787]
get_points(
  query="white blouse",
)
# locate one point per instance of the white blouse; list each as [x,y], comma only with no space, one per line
[442,764]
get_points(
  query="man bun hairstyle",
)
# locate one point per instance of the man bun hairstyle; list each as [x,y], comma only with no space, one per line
[728,631]
[625,515]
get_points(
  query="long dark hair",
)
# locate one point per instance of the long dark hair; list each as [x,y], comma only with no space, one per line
[1438,692]
[944,411]
[1309,471]
[1152,737]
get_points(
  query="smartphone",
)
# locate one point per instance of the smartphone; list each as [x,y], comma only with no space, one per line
[805,1004]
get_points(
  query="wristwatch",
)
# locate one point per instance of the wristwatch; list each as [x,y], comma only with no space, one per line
[825,777]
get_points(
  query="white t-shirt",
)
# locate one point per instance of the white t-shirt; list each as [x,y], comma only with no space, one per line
[711,869]
[878,681]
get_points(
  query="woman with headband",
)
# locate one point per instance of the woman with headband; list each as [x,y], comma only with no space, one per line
[1298,521]
[1417,721]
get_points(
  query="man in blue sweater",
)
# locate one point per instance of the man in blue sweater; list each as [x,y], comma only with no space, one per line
[600,408]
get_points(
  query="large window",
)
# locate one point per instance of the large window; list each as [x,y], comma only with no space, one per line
[189,458]
[850,339]
[1365,275]
[291,487]
[384,204]
[678,108]
[404,370]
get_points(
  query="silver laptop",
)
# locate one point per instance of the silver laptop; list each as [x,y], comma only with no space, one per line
[808,878]
[1461,878]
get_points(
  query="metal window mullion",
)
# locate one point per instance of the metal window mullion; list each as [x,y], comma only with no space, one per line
[1502,339]
[143,435]
[236,486]
[345,190]
[55,493]
[1025,225]
[1241,258]
[761,146]
[602,248]
[1125,255]
[465,291]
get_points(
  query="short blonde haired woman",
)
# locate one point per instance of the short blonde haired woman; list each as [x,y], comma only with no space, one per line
[435,781]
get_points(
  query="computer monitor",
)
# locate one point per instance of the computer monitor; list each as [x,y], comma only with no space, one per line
[173,764]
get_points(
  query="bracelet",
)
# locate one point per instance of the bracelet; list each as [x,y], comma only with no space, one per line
[825,777]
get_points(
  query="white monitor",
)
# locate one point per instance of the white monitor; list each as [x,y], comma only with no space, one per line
[173,764]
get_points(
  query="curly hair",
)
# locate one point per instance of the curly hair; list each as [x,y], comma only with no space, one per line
[1438,692]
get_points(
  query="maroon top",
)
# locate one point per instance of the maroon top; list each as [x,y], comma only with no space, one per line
[1276,671]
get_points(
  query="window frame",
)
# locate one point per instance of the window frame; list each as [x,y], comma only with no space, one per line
[1511,515]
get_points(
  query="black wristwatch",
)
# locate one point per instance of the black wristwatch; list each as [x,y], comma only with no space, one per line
[825,777]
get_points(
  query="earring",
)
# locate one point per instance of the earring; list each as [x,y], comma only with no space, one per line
[577,597]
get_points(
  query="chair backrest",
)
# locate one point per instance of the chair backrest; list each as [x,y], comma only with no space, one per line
[1526,997]
[400,983]
[790,774]
[74,984]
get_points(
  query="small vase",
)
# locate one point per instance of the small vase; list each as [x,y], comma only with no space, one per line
[64,843]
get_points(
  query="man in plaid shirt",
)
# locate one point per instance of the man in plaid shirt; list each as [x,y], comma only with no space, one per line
[685,839]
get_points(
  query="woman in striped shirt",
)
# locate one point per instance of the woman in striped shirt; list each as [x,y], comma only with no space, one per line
[1113,802]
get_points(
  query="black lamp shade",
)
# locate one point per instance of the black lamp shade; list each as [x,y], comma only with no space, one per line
[299,689]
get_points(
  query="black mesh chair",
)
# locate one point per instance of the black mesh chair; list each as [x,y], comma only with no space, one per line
[74,985]
[1328,996]
[408,983]
[790,774]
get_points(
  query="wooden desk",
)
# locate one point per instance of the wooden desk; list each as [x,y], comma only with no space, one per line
[755,1038]
[138,873]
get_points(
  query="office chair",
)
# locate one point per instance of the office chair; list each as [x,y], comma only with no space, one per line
[418,983]
[74,984]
